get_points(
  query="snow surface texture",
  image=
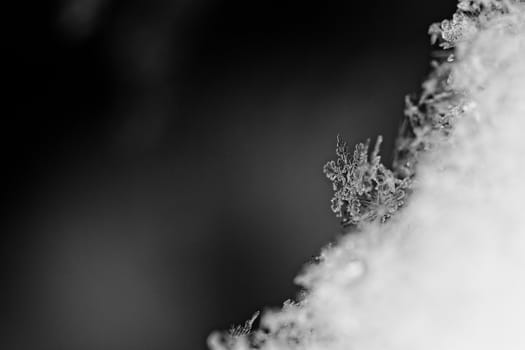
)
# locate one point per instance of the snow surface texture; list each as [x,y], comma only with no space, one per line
[447,270]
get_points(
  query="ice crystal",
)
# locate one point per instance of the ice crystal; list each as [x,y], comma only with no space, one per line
[239,331]
[236,334]
[284,329]
[470,16]
[364,189]
[429,118]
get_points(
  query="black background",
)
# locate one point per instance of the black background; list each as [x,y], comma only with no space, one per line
[162,160]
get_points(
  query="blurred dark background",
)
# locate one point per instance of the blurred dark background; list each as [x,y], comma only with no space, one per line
[162,159]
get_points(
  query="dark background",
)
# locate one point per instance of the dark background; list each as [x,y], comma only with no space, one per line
[162,160]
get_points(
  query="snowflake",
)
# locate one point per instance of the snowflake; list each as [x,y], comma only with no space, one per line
[364,189]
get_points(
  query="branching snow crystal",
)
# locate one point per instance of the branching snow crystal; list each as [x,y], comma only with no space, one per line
[447,271]
[364,189]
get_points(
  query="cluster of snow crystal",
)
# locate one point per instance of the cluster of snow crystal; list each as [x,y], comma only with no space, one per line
[447,271]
